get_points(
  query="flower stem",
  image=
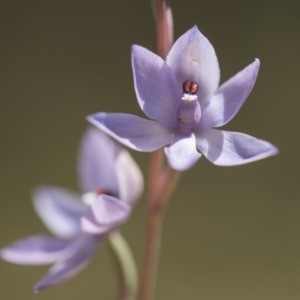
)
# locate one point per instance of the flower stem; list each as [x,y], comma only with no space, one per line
[126,266]
[157,206]
[155,177]
[164,28]
[147,283]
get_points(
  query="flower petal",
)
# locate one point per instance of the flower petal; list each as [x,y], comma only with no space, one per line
[229,98]
[130,178]
[59,209]
[105,214]
[226,148]
[192,57]
[155,85]
[134,132]
[35,250]
[182,153]
[97,156]
[81,252]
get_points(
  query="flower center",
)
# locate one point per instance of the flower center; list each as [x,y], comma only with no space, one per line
[89,197]
[188,111]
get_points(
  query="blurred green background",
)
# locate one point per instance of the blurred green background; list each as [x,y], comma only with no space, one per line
[230,233]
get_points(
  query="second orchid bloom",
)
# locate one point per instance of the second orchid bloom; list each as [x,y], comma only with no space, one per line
[111,182]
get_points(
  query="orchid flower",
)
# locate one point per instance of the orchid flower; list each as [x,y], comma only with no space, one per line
[183,99]
[104,168]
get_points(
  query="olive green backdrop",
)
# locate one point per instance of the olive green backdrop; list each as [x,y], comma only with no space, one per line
[230,233]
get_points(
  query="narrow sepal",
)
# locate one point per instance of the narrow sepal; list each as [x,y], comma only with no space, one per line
[97,156]
[80,253]
[155,85]
[129,177]
[226,148]
[132,131]
[35,250]
[229,98]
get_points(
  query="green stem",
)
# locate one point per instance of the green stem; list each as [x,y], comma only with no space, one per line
[126,266]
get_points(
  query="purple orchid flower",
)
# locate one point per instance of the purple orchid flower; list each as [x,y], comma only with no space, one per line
[182,97]
[104,167]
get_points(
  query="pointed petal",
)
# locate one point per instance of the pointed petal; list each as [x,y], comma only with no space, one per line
[192,57]
[104,164]
[81,253]
[105,214]
[97,155]
[59,209]
[226,148]
[229,98]
[155,85]
[134,132]
[182,153]
[130,178]
[34,250]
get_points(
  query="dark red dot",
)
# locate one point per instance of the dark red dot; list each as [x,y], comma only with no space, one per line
[190,87]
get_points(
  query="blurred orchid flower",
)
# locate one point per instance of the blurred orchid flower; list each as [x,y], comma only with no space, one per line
[111,181]
[182,97]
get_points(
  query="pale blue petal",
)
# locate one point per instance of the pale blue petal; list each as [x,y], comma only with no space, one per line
[129,176]
[59,209]
[81,252]
[192,57]
[229,98]
[182,153]
[97,156]
[225,148]
[35,250]
[134,132]
[155,85]
[104,215]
